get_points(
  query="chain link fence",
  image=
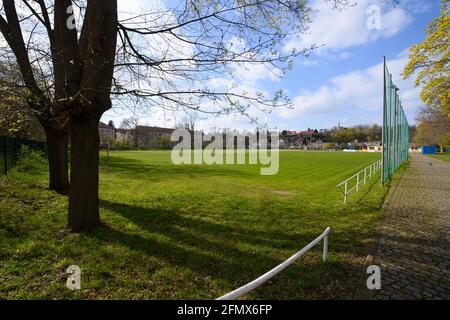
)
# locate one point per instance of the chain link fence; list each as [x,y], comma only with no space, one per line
[395,129]
[10,149]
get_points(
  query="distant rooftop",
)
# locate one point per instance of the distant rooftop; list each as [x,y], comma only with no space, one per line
[104,126]
[154,129]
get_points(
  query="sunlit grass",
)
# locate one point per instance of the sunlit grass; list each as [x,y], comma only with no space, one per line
[442,156]
[191,231]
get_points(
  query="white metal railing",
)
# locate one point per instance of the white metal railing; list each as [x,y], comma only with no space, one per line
[367,173]
[268,275]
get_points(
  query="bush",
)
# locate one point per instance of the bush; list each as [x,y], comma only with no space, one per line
[121,145]
[29,159]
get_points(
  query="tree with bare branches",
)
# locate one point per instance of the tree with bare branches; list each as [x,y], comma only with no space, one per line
[180,59]
[131,126]
[48,110]
[433,127]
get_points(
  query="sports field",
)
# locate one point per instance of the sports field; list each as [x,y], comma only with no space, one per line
[191,231]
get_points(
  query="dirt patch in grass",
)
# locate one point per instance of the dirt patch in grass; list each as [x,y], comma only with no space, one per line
[282,192]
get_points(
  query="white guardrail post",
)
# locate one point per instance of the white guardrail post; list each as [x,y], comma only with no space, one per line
[325,248]
[345,192]
[376,167]
[270,274]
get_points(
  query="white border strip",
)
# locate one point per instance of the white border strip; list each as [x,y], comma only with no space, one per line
[268,275]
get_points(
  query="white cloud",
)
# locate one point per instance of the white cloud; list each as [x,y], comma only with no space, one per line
[357,91]
[340,29]
[230,122]
[251,72]
[256,72]
[307,62]
[235,120]
[345,55]
[419,6]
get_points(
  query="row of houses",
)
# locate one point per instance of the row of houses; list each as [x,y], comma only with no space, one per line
[311,139]
[141,136]
[158,137]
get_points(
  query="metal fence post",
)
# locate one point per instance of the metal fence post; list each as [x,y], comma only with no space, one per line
[271,273]
[5,157]
[325,249]
[395,143]
[345,193]
[372,169]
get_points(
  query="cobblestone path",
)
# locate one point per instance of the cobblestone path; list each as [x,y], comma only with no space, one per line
[413,244]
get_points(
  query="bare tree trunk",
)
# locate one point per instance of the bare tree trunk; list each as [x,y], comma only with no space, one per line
[57,160]
[83,194]
[89,78]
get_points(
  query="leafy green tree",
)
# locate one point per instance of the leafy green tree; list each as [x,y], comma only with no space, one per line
[15,118]
[430,59]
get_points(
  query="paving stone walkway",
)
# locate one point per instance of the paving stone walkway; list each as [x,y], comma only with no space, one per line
[413,243]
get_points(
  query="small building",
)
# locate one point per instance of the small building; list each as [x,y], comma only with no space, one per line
[307,136]
[414,148]
[291,139]
[125,136]
[153,137]
[374,146]
[106,132]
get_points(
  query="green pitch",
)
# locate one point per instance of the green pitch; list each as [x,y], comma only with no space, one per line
[191,231]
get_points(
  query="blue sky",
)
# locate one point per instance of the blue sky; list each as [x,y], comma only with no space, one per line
[342,81]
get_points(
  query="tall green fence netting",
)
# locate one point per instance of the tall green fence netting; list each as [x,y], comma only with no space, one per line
[395,129]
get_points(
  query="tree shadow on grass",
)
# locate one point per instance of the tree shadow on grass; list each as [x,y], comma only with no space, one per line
[190,244]
[365,201]
[217,250]
[182,227]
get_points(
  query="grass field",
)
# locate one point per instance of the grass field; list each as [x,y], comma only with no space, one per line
[442,156]
[191,231]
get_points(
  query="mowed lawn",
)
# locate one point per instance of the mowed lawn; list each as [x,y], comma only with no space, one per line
[191,231]
[442,156]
